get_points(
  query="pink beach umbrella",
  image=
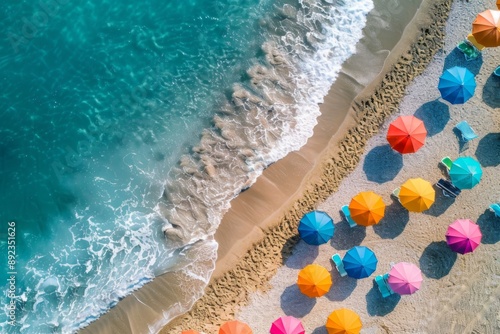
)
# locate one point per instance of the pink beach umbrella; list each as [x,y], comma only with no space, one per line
[405,278]
[287,325]
[463,236]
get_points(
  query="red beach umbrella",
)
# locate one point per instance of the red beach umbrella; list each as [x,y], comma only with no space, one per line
[406,134]
[287,325]
[463,236]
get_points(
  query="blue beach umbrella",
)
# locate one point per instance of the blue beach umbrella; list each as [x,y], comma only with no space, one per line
[465,172]
[316,227]
[360,262]
[457,85]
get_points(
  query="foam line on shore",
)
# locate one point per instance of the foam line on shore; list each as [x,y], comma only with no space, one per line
[230,289]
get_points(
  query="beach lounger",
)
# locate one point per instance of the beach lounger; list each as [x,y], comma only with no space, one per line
[339,264]
[495,208]
[466,131]
[470,51]
[383,286]
[447,162]
[395,193]
[347,215]
[449,190]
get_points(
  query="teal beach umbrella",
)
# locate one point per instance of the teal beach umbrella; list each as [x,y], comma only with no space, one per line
[457,85]
[316,227]
[465,172]
[360,262]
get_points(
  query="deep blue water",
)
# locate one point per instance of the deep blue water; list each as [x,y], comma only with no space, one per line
[99,99]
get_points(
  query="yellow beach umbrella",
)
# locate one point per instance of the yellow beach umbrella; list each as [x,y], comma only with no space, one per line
[367,208]
[314,281]
[417,195]
[343,321]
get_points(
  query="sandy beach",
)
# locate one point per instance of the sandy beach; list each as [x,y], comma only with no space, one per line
[260,253]
[464,288]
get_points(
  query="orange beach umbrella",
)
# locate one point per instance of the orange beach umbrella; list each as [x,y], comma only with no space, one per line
[406,134]
[417,195]
[367,208]
[235,327]
[314,280]
[486,28]
[343,321]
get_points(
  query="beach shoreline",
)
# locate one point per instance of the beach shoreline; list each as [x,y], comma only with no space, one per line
[243,268]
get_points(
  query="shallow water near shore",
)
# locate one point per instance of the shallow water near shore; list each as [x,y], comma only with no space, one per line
[102,103]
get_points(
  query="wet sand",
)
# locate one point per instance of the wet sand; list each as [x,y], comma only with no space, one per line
[259,253]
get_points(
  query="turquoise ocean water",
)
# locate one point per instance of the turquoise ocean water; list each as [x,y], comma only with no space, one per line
[127,126]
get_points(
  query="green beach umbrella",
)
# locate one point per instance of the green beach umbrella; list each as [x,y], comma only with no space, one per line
[465,173]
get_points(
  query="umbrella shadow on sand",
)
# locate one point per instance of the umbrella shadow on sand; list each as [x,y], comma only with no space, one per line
[490,91]
[378,305]
[490,227]
[342,287]
[346,237]
[488,150]
[382,164]
[320,330]
[435,115]
[303,254]
[394,222]
[457,58]
[295,303]
[441,204]
[437,260]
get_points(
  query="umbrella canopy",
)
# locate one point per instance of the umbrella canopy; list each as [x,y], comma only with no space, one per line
[367,208]
[406,134]
[405,278]
[486,28]
[417,195]
[360,262]
[465,172]
[457,85]
[235,327]
[343,321]
[316,227]
[463,236]
[191,331]
[314,281]
[287,325]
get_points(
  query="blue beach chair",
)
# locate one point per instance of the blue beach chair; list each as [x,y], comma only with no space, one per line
[347,215]
[339,264]
[383,286]
[495,208]
[466,131]
[497,71]
[449,190]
